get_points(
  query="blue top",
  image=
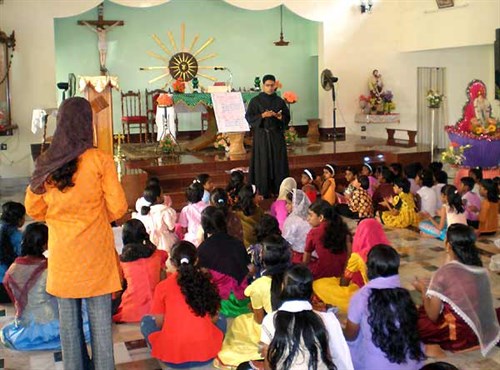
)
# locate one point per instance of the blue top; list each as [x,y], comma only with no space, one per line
[15,236]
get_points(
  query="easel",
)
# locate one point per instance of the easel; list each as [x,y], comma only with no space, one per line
[166,133]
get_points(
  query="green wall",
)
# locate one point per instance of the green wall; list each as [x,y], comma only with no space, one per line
[243,43]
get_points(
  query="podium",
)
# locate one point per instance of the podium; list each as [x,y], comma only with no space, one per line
[98,91]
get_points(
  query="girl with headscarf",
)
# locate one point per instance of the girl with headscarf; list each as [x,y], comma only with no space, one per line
[338,291]
[457,311]
[296,227]
[75,190]
[278,208]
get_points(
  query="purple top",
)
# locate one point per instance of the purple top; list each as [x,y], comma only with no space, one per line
[365,355]
[278,210]
[471,199]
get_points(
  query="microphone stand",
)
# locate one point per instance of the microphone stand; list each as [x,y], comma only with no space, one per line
[230,81]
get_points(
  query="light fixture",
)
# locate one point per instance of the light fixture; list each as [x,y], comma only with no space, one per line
[366,6]
[281,41]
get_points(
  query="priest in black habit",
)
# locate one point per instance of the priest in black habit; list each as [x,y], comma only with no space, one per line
[269,116]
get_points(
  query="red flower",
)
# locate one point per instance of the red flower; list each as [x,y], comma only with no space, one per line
[454,144]
[165,100]
[290,97]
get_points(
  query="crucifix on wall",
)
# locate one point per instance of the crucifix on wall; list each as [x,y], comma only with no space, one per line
[101,27]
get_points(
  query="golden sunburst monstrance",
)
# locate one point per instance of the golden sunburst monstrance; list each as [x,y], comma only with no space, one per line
[180,62]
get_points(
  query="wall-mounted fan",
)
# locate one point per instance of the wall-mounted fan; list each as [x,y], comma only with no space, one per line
[328,83]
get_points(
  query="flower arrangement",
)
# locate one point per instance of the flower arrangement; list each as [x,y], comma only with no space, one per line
[455,154]
[164,100]
[291,136]
[222,142]
[388,104]
[290,97]
[434,99]
[167,145]
[179,86]
[490,129]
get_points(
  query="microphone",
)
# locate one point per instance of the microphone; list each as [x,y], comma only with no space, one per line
[219,68]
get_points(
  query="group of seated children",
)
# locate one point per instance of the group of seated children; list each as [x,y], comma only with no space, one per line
[226,257]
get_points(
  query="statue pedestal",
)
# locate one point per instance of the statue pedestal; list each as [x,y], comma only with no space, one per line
[236,146]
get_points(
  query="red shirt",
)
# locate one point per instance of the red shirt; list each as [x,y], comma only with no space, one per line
[142,276]
[327,264]
[184,336]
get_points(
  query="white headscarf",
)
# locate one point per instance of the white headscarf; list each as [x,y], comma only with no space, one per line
[287,186]
[296,227]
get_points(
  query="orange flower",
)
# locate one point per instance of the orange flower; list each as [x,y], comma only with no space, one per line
[179,85]
[454,144]
[492,128]
[277,85]
[165,100]
[290,97]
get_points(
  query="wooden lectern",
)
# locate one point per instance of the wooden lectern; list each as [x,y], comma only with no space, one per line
[97,90]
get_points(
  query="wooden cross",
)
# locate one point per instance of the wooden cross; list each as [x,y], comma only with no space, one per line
[101,27]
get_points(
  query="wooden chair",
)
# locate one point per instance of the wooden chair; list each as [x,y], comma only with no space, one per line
[132,114]
[151,105]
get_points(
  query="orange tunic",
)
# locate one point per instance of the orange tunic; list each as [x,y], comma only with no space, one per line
[488,217]
[329,195]
[82,257]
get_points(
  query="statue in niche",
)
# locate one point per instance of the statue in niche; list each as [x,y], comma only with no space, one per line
[376,87]
[482,108]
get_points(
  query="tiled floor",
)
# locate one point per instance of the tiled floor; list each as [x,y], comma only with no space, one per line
[420,257]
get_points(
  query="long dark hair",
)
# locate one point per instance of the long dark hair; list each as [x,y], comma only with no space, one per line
[12,214]
[268,225]
[197,287]
[35,238]
[246,202]
[236,182]
[491,190]
[293,328]
[392,315]
[454,199]
[62,178]
[276,257]
[337,232]
[136,243]
[213,221]
[150,194]
[462,239]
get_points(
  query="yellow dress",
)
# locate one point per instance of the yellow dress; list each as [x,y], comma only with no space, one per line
[330,291]
[243,336]
[330,196]
[407,214]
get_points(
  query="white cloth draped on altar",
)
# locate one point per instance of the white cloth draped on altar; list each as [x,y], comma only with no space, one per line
[165,123]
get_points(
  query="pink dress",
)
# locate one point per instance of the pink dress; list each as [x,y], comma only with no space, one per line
[190,218]
[278,210]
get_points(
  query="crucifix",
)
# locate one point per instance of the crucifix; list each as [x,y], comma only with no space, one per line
[101,27]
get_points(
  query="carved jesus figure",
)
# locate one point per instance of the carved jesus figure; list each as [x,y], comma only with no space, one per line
[102,44]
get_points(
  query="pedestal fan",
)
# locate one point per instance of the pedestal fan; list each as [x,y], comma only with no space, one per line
[328,83]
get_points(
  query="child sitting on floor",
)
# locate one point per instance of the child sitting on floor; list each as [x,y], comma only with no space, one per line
[296,227]
[236,182]
[401,207]
[381,328]
[328,188]
[36,323]
[426,195]
[308,181]
[219,199]
[330,238]
[249,213]
[411,170]
[440,180]
[267,227]
[359,204]
[278,208]
[384,190]
[452,212]
[397,170]
[13,216]
[488,215]
[367,170]
[142,266]
[184,328]
[477,175]
[350,174]
[190,216]
[206,181]
[158,219]
[471,201]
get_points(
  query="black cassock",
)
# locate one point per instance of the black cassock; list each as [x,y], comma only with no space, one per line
[269,162]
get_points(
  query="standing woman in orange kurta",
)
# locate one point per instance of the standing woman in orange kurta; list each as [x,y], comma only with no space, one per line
[75,190]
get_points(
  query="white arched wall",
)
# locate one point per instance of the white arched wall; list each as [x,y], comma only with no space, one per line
[396,37]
